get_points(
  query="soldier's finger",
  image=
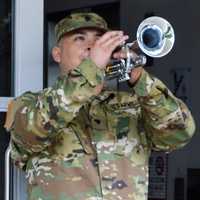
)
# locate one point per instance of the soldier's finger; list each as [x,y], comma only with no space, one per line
[109,35]
[120,54]
[114,39]
[118,42]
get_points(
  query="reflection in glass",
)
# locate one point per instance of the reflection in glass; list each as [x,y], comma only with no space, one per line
[5,47]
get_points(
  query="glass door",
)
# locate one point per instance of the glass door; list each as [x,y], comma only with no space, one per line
[6,89]
[21,69]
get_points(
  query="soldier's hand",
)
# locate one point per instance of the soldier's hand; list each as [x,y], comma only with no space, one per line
[122,53]
[103,48]
[136,72]
[135,75]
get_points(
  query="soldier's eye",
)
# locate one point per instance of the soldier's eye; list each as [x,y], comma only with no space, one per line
[97,37]
[79,38]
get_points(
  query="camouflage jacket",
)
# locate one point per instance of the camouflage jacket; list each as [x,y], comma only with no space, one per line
[75,145]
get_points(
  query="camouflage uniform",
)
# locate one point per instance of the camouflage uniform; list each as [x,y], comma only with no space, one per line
[75,145]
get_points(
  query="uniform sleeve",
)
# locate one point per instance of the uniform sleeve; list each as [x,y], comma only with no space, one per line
[167,121]
[34,119]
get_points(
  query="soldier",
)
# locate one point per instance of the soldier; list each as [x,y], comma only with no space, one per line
[78,141]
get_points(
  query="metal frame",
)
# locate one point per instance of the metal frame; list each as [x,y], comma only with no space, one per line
[7,174]
[3,103]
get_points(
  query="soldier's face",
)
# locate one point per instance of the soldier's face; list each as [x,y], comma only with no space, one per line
[74,48]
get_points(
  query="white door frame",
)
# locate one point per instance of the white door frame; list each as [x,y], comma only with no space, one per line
[28,61]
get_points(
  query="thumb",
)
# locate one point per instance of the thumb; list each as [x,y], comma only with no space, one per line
[119,55]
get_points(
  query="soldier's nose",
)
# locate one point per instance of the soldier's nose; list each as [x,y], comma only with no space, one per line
[90,44]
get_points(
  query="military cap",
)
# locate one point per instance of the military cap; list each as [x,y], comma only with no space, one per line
[79,20]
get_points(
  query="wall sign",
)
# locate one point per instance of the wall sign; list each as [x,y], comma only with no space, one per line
[158,176]
[180,77]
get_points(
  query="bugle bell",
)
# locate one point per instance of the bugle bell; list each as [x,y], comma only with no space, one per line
[155,38]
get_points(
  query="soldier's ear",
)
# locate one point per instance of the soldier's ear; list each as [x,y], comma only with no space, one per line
[56,54]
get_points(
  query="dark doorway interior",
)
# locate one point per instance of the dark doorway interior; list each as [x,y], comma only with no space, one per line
[6,47]
[193,184]
[110,11]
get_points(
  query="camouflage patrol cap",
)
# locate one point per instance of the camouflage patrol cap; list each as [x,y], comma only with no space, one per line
[79,20]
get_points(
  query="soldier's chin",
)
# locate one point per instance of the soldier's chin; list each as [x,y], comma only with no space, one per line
[85,58]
